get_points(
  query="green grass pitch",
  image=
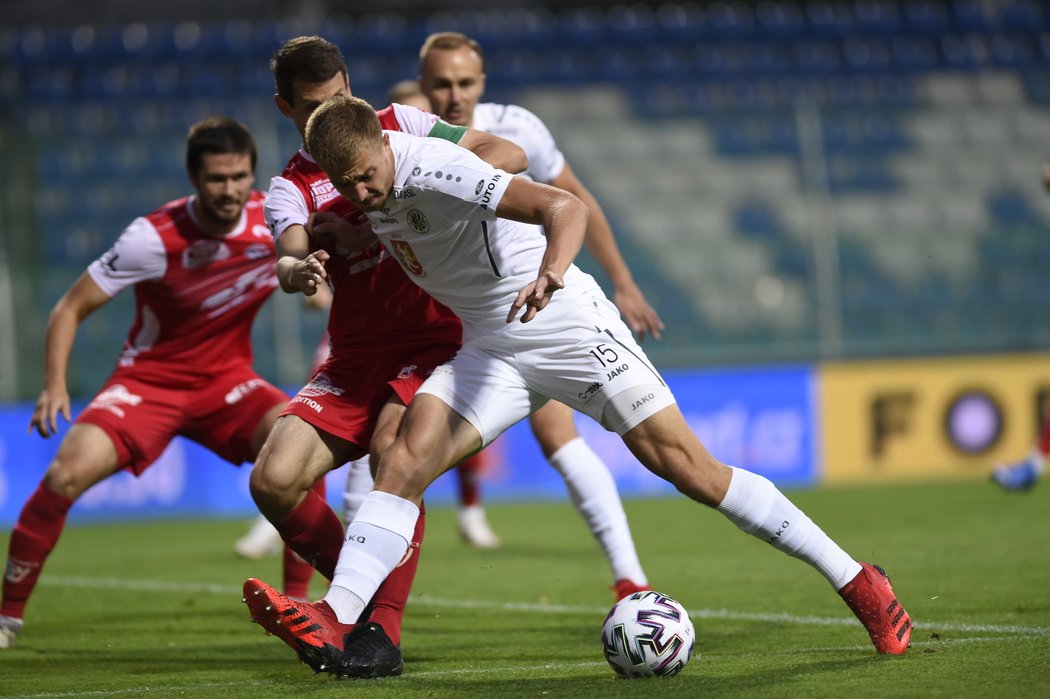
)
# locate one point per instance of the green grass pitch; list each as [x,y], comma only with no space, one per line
[154,610]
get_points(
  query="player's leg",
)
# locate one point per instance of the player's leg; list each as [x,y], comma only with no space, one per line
[359,484]
[295,570]
[86,456]
[295,456]
[592,491]
[474,527]
[664,443]
[432,437]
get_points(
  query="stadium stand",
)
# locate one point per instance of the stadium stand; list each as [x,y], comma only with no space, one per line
[733,143]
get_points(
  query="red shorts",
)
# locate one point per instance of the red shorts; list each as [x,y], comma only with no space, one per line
[345,395]
[221,414]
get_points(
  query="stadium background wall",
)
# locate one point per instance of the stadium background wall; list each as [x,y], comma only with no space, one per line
[799,425]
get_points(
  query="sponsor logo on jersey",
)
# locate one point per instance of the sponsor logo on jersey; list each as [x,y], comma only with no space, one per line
[407,371]
[247,286]
[486,198]
[417,221]
[319,386]
[404,194]
[17,570]
[416,171]
[323,191]
[261,230]
[113,398]
[204,252]
[309,403]
[257,251]
[616,371]
[407,257]
[480,186]
[590,391]
[241,390]
[109,262]
[642,401]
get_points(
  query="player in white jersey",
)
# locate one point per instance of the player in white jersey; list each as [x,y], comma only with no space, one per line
[451,75]
[535,329]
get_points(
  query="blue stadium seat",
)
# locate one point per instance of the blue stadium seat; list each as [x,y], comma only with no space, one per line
[733,20]
[927,17]
[875,17]
[781,19]
[829,19]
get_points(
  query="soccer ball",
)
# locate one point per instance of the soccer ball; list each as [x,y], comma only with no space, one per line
[648,634]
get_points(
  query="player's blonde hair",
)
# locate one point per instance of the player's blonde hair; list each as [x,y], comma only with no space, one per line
[339,130]
[448,41]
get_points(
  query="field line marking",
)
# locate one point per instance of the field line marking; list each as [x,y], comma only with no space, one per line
[536,608]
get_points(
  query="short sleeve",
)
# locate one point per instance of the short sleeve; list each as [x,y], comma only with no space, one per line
[137,256]
[472,187]
[546,161]
[414,121]
[285,206]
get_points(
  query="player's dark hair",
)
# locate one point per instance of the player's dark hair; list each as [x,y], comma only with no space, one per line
[310,59]
[449,41]
[217,135]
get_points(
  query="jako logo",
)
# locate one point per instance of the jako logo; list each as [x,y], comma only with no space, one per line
[777,534]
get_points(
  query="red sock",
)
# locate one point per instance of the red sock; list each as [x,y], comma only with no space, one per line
[314,532]
[297,571]
[388,605]
[469,480]
[1044,437]
[34,536]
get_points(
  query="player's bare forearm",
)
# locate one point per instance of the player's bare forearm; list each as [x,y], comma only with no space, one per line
[496,151]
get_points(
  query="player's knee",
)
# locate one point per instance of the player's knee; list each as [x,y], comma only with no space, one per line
[68,477]
[271,485]
[401,472]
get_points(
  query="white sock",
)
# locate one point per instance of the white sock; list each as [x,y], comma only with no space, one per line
[376,541]
[755,505]
[358,484]
[1038,460]
[593,492]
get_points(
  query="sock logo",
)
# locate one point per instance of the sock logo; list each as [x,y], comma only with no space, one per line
[17,570]
[780,530]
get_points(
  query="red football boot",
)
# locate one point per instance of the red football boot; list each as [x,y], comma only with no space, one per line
[626,586]
[870,596]
[311,629]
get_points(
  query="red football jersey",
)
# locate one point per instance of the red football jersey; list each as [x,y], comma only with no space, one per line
[373,301]
[195,296]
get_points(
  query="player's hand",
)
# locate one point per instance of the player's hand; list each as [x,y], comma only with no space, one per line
[640,317]
[354,234]
[309,273]
[45,415]
[535,296]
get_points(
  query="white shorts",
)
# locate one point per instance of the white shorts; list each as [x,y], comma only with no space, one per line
[576,351]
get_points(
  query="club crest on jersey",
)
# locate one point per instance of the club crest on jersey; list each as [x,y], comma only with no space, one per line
[417,221]
[407,257]
[204,252]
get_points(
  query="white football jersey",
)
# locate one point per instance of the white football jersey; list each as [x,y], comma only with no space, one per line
[440,223]
[522,127]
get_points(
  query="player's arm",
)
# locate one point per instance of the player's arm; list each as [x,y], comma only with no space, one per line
[298,269]
[80,301]
[641,317]
[564,218]
[496,151]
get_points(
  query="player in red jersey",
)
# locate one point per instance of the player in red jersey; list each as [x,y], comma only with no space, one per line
[381,351]
[201,267]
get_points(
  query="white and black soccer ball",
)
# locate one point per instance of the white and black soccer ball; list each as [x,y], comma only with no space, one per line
[648,634]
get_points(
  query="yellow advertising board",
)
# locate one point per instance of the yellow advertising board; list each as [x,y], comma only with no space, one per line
[928,419]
